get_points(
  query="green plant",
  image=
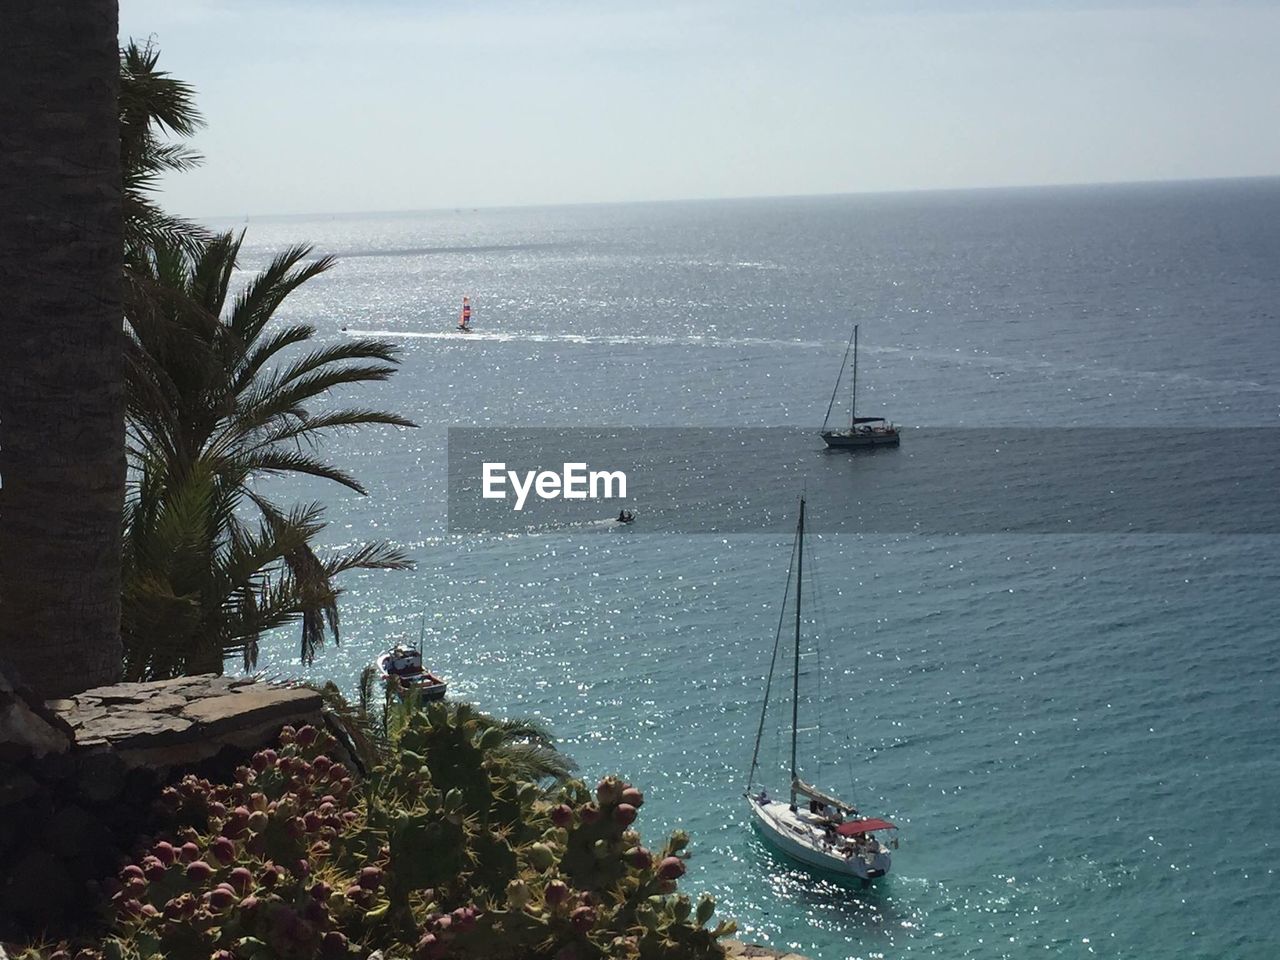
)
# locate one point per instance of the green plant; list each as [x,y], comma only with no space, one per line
[440,853]
[219,396]
[220,392]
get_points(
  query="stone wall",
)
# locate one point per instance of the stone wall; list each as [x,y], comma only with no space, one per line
[78,777]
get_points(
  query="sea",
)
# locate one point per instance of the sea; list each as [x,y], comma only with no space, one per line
[1076,733]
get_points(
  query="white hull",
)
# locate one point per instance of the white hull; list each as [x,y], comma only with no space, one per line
[801,837]
[429,685]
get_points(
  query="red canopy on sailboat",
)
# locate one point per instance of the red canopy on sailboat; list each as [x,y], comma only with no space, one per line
[851,827]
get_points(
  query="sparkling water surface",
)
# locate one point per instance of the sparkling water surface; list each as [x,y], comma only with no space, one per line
[1077,734]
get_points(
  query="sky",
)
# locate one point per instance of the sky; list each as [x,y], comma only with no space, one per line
[330,106]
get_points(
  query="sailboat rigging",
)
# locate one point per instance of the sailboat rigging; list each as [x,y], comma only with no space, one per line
[826,832]
[863,431]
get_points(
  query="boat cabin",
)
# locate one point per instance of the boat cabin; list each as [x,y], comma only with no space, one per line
[403,662]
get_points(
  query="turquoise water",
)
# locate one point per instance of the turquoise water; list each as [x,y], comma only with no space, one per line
[1076,733]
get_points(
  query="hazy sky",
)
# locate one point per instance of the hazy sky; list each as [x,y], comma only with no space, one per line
[330,106]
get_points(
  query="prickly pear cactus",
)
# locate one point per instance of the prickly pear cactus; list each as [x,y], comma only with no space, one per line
[440,853]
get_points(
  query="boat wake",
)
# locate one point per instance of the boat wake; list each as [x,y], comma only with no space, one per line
[605,340]
[998,365]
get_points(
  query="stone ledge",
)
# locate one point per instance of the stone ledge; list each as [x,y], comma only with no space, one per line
[79,776]
[154,721]
[250,706]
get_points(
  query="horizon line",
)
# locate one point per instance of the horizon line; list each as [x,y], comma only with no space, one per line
[475,208]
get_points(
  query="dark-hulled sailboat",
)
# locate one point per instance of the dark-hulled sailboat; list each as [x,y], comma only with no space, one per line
[863,431]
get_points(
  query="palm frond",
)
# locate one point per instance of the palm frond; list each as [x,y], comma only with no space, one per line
[354,724]
[535,762]
[356,349]
[260,298]
[216,396]
[338,419]
[275,461]
[153,97]
[369,556]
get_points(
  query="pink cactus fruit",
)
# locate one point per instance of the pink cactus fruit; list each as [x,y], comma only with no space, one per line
[609,790]
[583,919]
[624,814]
[671,868]
[562,815]
[198,871]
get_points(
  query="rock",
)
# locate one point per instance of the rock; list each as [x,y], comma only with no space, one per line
[54,767]
[72,829]
[134,727]
[37,891]
[15,785]
[165,703]
[101,775]
[80,715]
[120,693]
[247,707]
[79,780]
[27,728]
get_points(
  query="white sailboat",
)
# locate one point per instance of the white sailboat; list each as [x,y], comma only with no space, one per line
[813,827]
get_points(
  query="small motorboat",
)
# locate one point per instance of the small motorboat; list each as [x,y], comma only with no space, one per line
[626,516]
[405,665]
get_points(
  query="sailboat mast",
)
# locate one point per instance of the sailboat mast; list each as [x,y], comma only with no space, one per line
[853,396]
[835,391]
[795,680]
[773,663]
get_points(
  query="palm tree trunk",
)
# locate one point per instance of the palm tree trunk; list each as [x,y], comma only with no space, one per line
[61,351]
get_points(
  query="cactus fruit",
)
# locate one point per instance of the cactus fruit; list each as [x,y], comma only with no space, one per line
[198,871]
[541,856]
[633,796]
[609,791]
[165,853]
[625,814]
[223,850]
[671,868]
[153,869]
[518,895]
[292,861]
[557,892]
